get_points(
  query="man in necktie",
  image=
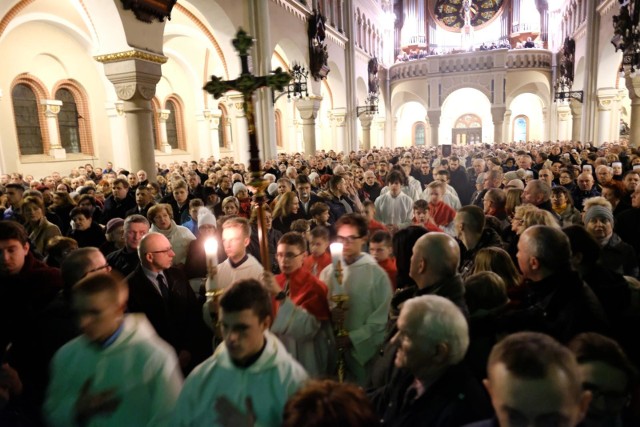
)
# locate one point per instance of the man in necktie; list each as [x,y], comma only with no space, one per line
[163,293]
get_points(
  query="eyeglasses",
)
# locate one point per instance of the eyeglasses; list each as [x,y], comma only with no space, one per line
[95,270]
[287,256]
[347,239]
[170,249]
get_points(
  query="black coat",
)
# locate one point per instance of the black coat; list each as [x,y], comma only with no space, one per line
[114,208]
[92,236]
[178,320]
[124,261]
[455,399]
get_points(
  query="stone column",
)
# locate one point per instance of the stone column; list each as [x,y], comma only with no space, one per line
[545,124]
[214,117]
[379,132]
[3,163]
[606,101]
[119,153]
[507,127]
[338,116]
[163,115]
[51,110]
[497,114]
[365,121]
[240,134]
[434,123]
[576,112]
[564,112]
[135,75]
[308,109]
[204,134]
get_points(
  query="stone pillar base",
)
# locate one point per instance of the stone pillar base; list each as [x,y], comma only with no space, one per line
[58,153]
[166,149]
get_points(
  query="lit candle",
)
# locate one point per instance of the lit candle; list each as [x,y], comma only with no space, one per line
[211,250]
[336,253]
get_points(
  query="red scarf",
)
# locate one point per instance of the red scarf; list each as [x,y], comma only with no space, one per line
[305,291]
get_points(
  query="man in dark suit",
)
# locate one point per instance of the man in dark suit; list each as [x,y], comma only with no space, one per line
[305,196]
[144,201]
[164,295]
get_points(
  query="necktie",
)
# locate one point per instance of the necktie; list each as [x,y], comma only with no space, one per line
[164,288]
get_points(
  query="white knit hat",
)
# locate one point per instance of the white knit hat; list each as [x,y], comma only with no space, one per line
[206,217]
[238,187]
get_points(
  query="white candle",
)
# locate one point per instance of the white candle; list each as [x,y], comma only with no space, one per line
[211,250]
[336,253]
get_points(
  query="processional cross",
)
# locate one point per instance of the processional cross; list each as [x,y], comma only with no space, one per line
[247,84]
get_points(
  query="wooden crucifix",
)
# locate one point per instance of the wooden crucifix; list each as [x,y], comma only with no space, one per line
[247,84]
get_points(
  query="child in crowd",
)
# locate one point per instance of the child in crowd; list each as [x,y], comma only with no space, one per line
[370,213]
[421,216]
[192,224]
[441,213]
[241,193]
[302,226]
[380,249]
[319,257]
[319,215]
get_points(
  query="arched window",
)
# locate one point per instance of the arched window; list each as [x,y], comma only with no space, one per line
[172,127]
[175,123]
[25,111]
[521,128]
[68,122]
[419,134]
[279,129]
[223,133]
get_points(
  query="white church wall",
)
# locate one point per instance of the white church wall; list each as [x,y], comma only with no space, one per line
[530,106]
[461,102]
[408,114]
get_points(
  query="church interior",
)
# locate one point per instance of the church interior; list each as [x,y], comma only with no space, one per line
[86,81]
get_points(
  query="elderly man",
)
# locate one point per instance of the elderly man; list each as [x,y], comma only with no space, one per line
[561,304]
[616,255]
[126,260]
[604,174]
[118,372]
[584,190]
[533,380]
[434,387]
[144,201]
[163,294]
[538,194]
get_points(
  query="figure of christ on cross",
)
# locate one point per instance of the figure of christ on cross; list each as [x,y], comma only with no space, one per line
[247,84]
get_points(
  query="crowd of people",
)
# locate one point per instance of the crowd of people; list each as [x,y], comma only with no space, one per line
[496,286]
[413,54]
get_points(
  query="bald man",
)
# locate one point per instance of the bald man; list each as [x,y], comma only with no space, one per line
[163,293]
[434,268]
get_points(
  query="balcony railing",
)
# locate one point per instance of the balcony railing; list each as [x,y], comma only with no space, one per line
[470,62]
[525,28]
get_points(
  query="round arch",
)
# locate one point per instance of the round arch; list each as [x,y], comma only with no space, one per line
[466,100]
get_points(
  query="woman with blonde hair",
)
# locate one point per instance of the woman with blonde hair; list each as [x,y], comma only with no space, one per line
[513,199]
[161,218]
[286,211]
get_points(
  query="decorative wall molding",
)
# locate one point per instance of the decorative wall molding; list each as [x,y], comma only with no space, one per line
[131,54]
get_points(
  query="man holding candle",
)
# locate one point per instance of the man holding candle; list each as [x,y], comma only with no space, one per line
[369,291]
[301,310]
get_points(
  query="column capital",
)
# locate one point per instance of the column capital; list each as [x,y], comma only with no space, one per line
[163,115]
[633,85]
[51,107]
[606,98]
[365,121]
[133,74]
[576,107]
[497,114]
[308,108]
[434,116]
[564,112]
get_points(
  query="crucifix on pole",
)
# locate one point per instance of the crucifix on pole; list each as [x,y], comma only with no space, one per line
[247,84]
